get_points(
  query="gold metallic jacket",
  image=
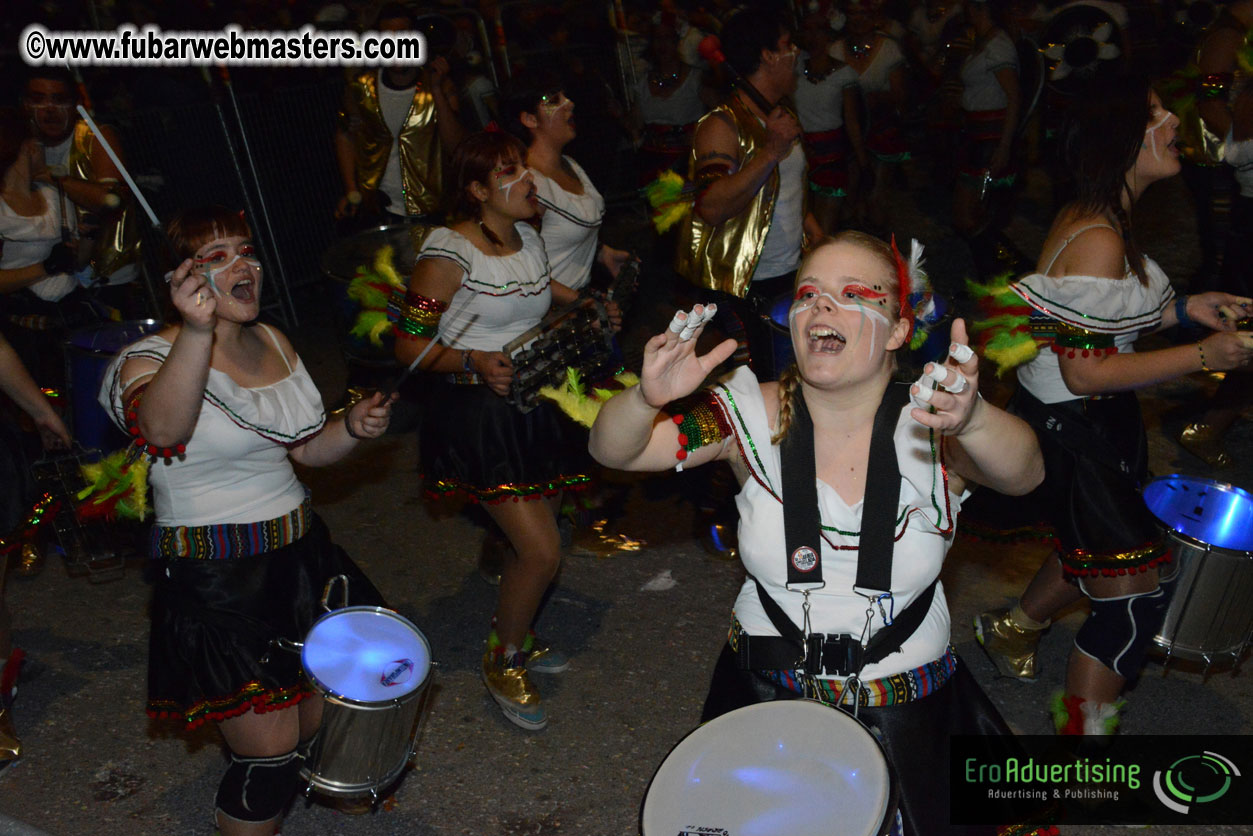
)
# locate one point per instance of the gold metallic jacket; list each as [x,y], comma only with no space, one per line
[723,257]
[420,164]
[117,239]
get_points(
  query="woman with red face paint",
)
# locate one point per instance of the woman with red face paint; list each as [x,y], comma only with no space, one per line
[806,441]
[224,405]
[571,209]
[479,283]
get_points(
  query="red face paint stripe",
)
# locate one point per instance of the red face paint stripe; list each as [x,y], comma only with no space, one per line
[865,292]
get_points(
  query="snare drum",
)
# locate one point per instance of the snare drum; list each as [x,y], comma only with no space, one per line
[88,352]
[791,767]
[371,666]
[1210,529]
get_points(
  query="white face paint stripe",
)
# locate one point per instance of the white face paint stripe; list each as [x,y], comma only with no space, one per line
[508,187]
[212,273]
[801,305]
[1151,133]
[961,353]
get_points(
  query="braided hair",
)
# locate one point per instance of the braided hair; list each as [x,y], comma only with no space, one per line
[1100,141]
[790,379]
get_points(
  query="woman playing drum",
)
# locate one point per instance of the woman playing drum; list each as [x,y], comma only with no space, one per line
[477,285]
[848,322]
[225,405]
[1095,293]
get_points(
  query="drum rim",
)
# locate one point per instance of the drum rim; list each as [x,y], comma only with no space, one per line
[150,326]
[336,276]
[327,691]
[1199,480]
[892,801]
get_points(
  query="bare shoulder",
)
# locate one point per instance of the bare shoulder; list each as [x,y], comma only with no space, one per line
[281,340]
[716,134]
[1086,247]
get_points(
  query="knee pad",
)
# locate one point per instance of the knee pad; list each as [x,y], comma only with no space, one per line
[257,789]
[1118,632]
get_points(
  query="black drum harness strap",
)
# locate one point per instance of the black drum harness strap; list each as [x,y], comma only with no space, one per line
[801,649]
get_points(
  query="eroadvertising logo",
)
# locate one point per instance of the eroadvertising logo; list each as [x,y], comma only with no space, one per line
[1123,779]
[1194,780]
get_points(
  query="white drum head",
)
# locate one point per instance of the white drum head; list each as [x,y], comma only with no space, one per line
[787,768]
[366,654]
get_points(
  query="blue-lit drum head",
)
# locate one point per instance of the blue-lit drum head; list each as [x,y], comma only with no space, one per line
[793,767]
[1214,513]
[366,654]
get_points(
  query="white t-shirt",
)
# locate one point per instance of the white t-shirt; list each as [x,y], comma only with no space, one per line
[820,106]
[570,226]
[29,240]
[682,107]
[878,75]
[500,297]
[980,88]
[236,468]
[925,526]
[781,251]
[395,106]
[1239,155]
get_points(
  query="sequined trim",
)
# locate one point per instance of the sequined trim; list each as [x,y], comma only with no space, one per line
[702,424]
[252,697]
[230,541]
[1082,562]
[415,315]
[441,488]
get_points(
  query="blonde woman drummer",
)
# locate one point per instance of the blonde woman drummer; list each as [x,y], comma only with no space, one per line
[224,405]
[848,322]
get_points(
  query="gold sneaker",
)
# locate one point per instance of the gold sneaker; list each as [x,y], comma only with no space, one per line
[10,746]
[513,692]
[1206,443]
[1010,647]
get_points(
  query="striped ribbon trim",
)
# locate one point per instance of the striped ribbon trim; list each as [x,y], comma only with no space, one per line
[229,541]
[889,690]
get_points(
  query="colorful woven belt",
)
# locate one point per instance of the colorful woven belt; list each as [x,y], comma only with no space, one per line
[888,690]
[229,541]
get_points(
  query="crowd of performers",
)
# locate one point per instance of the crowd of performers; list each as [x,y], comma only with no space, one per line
[849,483]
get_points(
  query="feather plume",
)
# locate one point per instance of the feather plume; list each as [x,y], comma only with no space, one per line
[117,486]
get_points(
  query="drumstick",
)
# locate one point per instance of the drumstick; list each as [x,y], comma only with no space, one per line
[108,149]
[417,361]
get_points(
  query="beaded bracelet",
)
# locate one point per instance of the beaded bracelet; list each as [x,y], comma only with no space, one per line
[1181,312]
[348,427]
[1201,349]
[137,438]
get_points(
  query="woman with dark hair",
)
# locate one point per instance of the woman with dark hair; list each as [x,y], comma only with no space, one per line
[1094,293]
[479,283]
[538,112]
[670,99]
[227,405]
[823,443]
[881,70]
[991,104]
[827,106]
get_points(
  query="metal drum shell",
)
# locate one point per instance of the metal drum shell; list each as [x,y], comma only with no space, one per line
[363,746]
[1210,616]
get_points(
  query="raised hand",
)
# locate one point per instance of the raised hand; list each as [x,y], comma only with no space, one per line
[951,388]
[192,298]
[672,368]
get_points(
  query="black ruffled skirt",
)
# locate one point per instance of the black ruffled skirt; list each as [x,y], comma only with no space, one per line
[210,655]
[474,443]
[1095,464]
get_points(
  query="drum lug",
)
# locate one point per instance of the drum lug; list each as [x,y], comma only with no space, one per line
[330,586]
